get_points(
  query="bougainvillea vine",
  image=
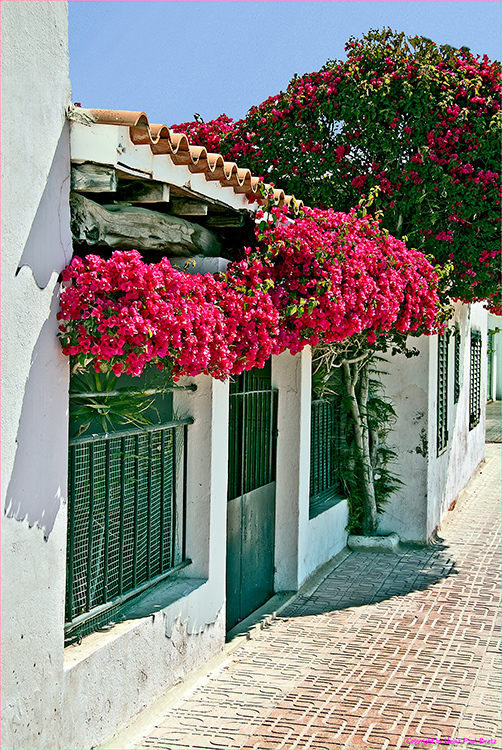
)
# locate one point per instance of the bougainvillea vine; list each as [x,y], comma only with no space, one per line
[323,277]
[416,122]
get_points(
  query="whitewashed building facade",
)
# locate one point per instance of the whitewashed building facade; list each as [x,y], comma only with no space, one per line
[75,696]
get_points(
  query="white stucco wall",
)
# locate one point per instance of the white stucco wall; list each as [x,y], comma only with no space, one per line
[302,544]
[291,375]
[406,385]
[111,676]
[322,538]
[450,472]
[432,482]
[35,232]
[494,323]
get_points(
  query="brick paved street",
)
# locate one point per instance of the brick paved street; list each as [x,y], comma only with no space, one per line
[494,422]
[387,651]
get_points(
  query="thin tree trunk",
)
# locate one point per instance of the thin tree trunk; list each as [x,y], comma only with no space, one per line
[361,433]
[374,443]
[370,517]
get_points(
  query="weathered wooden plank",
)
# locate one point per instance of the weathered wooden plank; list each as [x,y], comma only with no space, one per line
[93,178]
[127,227]
[140,191]
[226,220]
[183,207]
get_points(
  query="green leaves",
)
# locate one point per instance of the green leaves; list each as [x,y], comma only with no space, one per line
[95,399]
[417,122]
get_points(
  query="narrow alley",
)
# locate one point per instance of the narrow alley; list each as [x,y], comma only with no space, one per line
[389,651]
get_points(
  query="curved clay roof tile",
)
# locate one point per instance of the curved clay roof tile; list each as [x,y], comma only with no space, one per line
[248,184]
[279,196]
[119,117]
[198,153]
[215,171]
[179,142]
[255,184]
[159,131]
[231,173]
[162,140]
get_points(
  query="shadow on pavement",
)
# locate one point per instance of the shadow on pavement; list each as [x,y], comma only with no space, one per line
[366,578]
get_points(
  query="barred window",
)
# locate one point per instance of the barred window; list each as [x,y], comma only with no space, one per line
[126,523]
[126,498]
[325,437]
[458,341]
[442,393]
[475,380]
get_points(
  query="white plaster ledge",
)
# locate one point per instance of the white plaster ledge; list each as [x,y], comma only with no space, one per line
[388,543]
[170,598]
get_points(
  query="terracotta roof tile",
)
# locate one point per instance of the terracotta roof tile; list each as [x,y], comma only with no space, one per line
[162,140]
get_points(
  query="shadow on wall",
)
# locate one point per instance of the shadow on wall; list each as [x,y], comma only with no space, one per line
[49,244]
[38,482]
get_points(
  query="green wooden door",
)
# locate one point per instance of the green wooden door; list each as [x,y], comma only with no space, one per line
[251,493]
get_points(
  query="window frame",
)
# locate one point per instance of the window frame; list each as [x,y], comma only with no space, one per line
[442,393]
[457,385]
[475,379]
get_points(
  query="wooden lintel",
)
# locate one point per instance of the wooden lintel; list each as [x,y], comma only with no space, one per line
[226,220]
[93,178]
[141,191]
[183,207]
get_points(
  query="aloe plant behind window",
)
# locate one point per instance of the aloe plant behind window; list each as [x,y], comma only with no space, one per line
[98,400]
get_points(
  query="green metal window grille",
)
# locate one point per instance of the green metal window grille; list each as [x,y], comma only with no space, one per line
[252,432]
[442,393]
[475,380]
[456,387]
[489,377]
[126,519]
[324,452]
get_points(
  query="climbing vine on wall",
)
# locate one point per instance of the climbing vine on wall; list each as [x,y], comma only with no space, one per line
[323,277]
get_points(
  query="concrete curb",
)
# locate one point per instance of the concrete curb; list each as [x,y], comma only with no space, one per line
[388,543]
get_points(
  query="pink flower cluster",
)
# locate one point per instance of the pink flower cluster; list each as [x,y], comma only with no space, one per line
[325,276]
[127,313]
[336,274]
[427,114]
[207,134]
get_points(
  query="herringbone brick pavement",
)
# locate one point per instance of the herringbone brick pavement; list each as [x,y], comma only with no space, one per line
[390,651]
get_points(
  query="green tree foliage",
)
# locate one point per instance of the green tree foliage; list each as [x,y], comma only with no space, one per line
[416,124]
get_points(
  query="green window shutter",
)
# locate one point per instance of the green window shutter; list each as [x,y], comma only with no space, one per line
[442,393]
[475,380]
[325,441]
[126,520]
[458,342]
[322,446]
